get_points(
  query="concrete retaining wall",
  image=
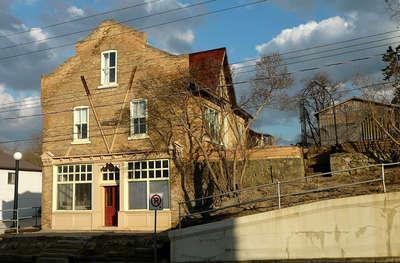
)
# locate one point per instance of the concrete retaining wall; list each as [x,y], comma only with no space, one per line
[356,227]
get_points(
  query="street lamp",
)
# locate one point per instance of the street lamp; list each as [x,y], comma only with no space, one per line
[17,156]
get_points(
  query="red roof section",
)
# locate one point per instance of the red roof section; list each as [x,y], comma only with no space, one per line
[205,67]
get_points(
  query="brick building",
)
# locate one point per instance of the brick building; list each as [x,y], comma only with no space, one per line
[106,147]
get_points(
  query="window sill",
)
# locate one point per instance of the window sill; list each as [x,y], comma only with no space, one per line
[138,137]
[108,86]
[81,142]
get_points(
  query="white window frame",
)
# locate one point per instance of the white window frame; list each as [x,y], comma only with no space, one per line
[111,172]
[76,140]
[73,182]
[104,82]
[147,180]
[139,135]
[208,126]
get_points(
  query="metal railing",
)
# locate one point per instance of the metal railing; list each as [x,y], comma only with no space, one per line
[279,196]
[20,215]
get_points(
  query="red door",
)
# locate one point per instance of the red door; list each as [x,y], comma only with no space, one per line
[111,194]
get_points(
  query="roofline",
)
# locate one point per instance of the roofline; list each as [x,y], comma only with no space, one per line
[208,50]
[358,99]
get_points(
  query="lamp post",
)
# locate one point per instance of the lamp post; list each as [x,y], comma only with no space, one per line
[17,156]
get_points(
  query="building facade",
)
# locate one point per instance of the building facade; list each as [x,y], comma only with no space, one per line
[356,120]
[113,122]
[29,188]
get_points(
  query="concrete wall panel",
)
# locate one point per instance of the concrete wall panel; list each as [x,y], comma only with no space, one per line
[355,227]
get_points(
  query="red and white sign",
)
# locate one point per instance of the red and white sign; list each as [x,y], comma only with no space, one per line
[156,201]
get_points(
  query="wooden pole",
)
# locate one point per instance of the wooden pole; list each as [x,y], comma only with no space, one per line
[95,113]
[122,107]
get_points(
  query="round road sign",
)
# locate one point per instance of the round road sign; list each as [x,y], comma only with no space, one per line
[156,200]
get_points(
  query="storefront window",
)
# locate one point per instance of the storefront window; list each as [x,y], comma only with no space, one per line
[74,187]
[145,177]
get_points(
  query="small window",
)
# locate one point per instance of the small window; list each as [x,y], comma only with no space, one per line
[108,67]
[11,178]
[138,117]
[110,172]
[81,123]
[212,123]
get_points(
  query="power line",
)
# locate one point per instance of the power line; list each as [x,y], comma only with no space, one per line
[70,135]
[297,62]
[79,19]
[152,26]
[298,71]
[107,26]
[23,101]
[235,83]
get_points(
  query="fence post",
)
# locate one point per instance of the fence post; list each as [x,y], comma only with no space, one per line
[179,205]
[17,223]
[279,195]
[383,178]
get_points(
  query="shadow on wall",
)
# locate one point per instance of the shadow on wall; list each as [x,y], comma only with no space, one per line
[28,204]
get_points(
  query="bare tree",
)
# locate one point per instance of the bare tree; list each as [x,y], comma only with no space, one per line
[33,150]
[203,128]
[320,92]
[379,119]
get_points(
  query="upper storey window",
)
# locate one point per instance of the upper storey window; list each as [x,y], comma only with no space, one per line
[138,119]
[212,123]
[109,68]
[81,124]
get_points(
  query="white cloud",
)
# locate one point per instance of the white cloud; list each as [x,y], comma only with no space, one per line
[187,36]
[5,98]
[37,34]
[75,11]
[328,29]
[19,128]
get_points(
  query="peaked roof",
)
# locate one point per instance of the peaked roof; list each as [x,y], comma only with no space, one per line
[205,67]
[7,162]
[357,99]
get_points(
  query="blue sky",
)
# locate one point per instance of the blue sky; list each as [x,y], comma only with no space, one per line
[276,25]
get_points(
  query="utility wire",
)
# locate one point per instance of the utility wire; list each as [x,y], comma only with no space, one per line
[147,27]
[297,62]
[63,98]
[107,26]
[70,135]
[319,52]
[80,18]
[172,94]
[240,72]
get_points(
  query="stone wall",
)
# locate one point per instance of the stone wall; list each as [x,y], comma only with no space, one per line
[345,161]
